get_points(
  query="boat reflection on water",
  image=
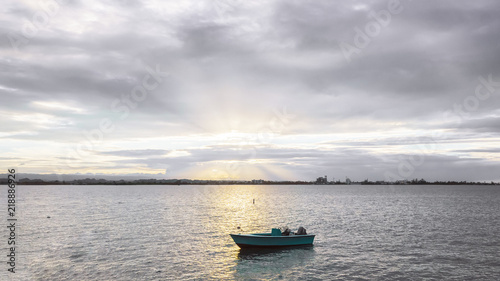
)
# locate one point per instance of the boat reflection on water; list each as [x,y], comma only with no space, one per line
[256,253]
[272,263]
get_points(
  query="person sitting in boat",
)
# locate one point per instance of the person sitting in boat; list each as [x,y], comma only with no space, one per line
[285,232]
[301,231]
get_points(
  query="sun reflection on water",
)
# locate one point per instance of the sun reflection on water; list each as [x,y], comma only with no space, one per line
[241,209]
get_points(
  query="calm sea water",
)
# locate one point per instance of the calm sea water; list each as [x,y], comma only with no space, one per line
[181,232]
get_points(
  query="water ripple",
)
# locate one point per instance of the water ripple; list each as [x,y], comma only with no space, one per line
[181,232]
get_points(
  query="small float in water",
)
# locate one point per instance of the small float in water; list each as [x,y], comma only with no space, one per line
[276,238]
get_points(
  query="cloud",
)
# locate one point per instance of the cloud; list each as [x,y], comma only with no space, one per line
[232,67]
[135,153]
[488,125]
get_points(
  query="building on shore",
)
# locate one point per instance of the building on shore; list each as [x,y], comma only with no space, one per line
[322,180]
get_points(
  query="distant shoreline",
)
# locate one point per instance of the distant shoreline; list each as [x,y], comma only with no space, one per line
[93,181]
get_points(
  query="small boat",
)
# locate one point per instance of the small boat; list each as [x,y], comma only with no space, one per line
[274,239]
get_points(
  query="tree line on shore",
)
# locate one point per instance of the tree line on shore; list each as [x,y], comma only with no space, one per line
[93,181]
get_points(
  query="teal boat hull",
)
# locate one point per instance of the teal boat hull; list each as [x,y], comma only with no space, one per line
[267,240]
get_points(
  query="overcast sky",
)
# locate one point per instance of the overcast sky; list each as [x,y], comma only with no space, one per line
[252,89]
